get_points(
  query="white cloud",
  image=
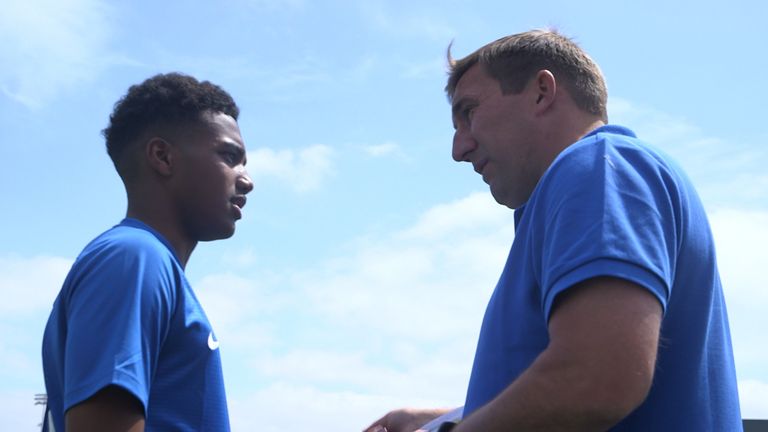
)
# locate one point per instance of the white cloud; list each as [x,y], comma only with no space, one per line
[30,285]
[307,70]
[753,396]
[363,68]
[276,4]
[393,321]
[303,170]
[240,259]
[421,275]
[317,366]
[340,336]
[284,407]
[414,23]
[740,238]
[240,310]
[727,172]
[385,149]
[427,69]
[19,412]
[466,217]
[20,363]
[47,46]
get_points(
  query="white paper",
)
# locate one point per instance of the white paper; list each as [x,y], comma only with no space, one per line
[453,415]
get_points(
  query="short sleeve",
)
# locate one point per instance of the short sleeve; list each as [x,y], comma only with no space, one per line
[609,210]
[118,314]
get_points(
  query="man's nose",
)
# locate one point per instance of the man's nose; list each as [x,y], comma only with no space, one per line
[244,183]
[463,145]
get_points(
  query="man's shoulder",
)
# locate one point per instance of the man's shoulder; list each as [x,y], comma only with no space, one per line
[123,244]
[129,237]
[606,139]
[605,160]
[124,258]
[611,150]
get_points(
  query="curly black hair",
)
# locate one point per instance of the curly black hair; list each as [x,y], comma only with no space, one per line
[164,99]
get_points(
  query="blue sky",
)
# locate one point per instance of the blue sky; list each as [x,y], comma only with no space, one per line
[357,279]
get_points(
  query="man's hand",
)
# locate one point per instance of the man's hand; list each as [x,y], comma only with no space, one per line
[404,420]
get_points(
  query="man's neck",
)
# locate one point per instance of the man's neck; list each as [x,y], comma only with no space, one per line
[166,226]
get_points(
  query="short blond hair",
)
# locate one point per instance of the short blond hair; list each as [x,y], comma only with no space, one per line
[513,60]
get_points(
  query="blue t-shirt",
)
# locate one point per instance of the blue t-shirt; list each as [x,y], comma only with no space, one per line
[609,205]
[127,316]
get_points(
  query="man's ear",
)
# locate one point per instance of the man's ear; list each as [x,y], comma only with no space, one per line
[160,156]
[545,89]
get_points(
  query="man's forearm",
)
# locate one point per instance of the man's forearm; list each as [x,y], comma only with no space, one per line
[549,397]
[597,368]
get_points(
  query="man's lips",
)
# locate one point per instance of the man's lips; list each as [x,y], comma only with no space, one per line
[238,202]
[480,165]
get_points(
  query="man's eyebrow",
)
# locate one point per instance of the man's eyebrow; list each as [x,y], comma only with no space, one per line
[235,147]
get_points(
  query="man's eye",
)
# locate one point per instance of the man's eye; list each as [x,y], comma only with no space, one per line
[467,113]
[229,157]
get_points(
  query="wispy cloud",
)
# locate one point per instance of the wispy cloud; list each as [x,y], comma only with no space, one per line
[281,81]
[321,409]
[48,46]
[276,4]
[351,319]
[302,170]
[408,23]
[754,399]
[728,172]
[388,148]
[348,369]
[741,237]
[393,320]
[382,149]
[426,69]
[419,273]
[409,304]
[18,411]
[29,284]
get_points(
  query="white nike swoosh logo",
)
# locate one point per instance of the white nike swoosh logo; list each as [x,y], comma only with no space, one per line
[213,344]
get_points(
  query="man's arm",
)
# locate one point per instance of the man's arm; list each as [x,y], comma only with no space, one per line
[111,409]
[597,369]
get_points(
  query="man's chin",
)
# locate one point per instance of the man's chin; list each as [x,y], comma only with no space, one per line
[219,234]
[496,194]
[504,199]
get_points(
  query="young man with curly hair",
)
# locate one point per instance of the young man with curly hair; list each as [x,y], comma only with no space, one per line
[128,346]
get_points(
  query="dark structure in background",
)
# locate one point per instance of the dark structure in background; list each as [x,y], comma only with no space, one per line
[755,425]
[749,425]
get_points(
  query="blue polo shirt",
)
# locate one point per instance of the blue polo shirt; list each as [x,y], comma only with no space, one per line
[126,316]
[610,205]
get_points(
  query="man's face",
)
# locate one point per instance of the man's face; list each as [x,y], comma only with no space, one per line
[495,133]
[210,183]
